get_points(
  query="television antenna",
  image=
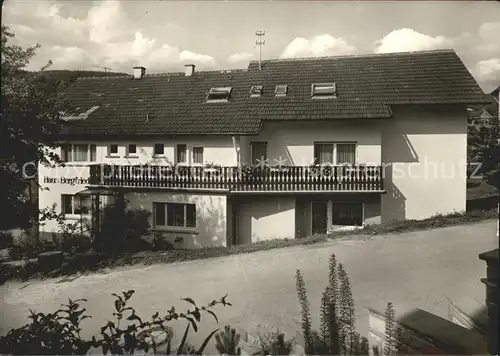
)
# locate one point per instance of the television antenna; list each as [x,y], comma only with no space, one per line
[260,42]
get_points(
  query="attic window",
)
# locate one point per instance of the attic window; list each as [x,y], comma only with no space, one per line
[219,94]
[281,90]
[256,90]
[323,90]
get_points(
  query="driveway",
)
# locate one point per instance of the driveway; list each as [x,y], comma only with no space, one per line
[416,269]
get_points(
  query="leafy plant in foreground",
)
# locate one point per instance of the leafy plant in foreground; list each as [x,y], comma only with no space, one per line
[59,332]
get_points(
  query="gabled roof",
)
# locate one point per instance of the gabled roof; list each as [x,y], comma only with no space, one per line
[367,86]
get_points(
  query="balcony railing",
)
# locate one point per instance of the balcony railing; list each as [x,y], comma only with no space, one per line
[241,179]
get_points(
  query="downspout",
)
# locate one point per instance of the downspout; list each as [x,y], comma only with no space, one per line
[237,150]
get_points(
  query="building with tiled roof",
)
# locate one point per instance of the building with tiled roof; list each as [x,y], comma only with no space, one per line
[286,149]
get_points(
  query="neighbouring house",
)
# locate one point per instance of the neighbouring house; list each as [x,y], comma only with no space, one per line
[298,147]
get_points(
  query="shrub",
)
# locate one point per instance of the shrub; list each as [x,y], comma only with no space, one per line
[60,332]
[6,239]
[274,344]
[337,334]
[121,229]
[160,243]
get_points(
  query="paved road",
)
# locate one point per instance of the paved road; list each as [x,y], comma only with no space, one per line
[415,269]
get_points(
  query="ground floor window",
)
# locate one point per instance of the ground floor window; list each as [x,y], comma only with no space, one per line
[327,214]
[76,204]
[174,215]
[347,213]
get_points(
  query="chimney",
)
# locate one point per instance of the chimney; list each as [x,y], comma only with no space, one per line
[139,72]
[189,69]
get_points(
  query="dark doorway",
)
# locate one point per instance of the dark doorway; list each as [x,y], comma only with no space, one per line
[319,217]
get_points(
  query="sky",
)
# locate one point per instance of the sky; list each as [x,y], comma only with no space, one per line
[165,35]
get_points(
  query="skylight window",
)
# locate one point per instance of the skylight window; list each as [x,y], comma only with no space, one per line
[281,90]
[256,90]
[323,90]
[219,94]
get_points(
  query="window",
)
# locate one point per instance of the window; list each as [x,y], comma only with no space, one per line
[174,215]
[323,90]
[113,149]
[346,153]
[281,90]
[159,149]
[219,94]
[181,154]
[76,205]
[323,153]
[347,213]
[335,153]
[78,153]
[256,90]
[197,155]
[131,149]
[258,151]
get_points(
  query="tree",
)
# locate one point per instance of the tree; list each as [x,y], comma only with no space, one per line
[30,121]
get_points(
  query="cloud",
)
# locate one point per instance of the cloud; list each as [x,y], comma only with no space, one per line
[240,57]
[488,39]
[196,57]
[489,70]
[407,40]
[317,46]
[105,36]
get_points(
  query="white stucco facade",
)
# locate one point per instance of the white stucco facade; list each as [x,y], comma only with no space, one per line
[422,150]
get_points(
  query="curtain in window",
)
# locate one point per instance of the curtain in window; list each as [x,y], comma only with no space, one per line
[347,214]
[67,204]
[82,204]
[258,151]
[346,153]
[80,153]
[159,210]
[197,155]
[93,153]
[66,153]
[181,154]
[323,153]
[175,214]
[190,215]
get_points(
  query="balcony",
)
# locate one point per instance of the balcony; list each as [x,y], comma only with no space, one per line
[242,179]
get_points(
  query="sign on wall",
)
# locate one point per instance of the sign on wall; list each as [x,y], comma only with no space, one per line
[64,180]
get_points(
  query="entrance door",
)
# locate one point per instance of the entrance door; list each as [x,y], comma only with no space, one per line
[319,217]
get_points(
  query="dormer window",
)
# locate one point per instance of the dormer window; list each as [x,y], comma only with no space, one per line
[281,90]
[256,90]
[323,90]
[219,94]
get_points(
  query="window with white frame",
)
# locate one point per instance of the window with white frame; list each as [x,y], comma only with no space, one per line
[174,215]
[256,90]
[323,90]
[197,153]
[113,149]
[159,149]
[131,149]
[347,214]
[334,153]
[219,94]
[181,154]
[281,90]
[78,153]
[258,151]
[76,204]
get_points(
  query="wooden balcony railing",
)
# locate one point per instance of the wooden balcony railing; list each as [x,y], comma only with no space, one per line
[240,179]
